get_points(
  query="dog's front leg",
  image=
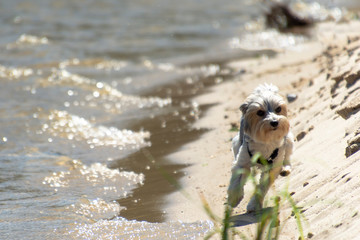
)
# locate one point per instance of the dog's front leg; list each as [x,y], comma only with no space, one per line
[289,143]
[236,143]
[236,187]
[266,180]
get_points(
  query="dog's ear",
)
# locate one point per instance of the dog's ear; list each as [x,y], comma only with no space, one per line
[243,108]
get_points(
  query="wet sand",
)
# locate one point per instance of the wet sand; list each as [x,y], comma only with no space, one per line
[170,131]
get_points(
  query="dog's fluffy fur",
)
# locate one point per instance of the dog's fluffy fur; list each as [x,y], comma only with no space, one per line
[264,128]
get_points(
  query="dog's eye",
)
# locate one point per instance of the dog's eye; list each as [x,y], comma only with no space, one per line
[260,113]
[278,109]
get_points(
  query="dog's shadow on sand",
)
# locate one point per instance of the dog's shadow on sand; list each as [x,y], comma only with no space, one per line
[249,218]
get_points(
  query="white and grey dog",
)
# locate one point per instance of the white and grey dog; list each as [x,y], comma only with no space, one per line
[264,129]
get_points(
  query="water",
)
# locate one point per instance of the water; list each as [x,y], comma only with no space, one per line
[86,86]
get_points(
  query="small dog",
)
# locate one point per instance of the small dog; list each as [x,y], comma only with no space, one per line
[264,129]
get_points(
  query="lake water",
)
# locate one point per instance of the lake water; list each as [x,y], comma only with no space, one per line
[94,94]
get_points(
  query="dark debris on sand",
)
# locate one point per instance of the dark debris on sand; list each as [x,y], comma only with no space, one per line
[281,17]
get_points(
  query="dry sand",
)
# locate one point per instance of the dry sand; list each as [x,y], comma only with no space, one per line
[325,122]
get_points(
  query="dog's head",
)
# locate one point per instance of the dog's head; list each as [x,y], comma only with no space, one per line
[265,115]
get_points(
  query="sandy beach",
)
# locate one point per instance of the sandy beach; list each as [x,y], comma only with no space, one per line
[325,122]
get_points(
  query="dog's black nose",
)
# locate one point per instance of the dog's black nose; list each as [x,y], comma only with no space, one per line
[274,123]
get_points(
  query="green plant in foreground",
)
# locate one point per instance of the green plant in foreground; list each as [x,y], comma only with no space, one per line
[268,223]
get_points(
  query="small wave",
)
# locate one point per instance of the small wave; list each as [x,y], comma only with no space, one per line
[166,67]
[72,127]
[14,73]
[93,188]
[100,93]
[110,65]
[96,179]
[26,40]
[96,209]
[100,64]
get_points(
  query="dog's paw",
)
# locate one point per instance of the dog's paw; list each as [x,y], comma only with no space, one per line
[254,205]
[285,171]
[234,197]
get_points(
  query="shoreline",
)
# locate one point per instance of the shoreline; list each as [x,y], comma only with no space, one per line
[324,119]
